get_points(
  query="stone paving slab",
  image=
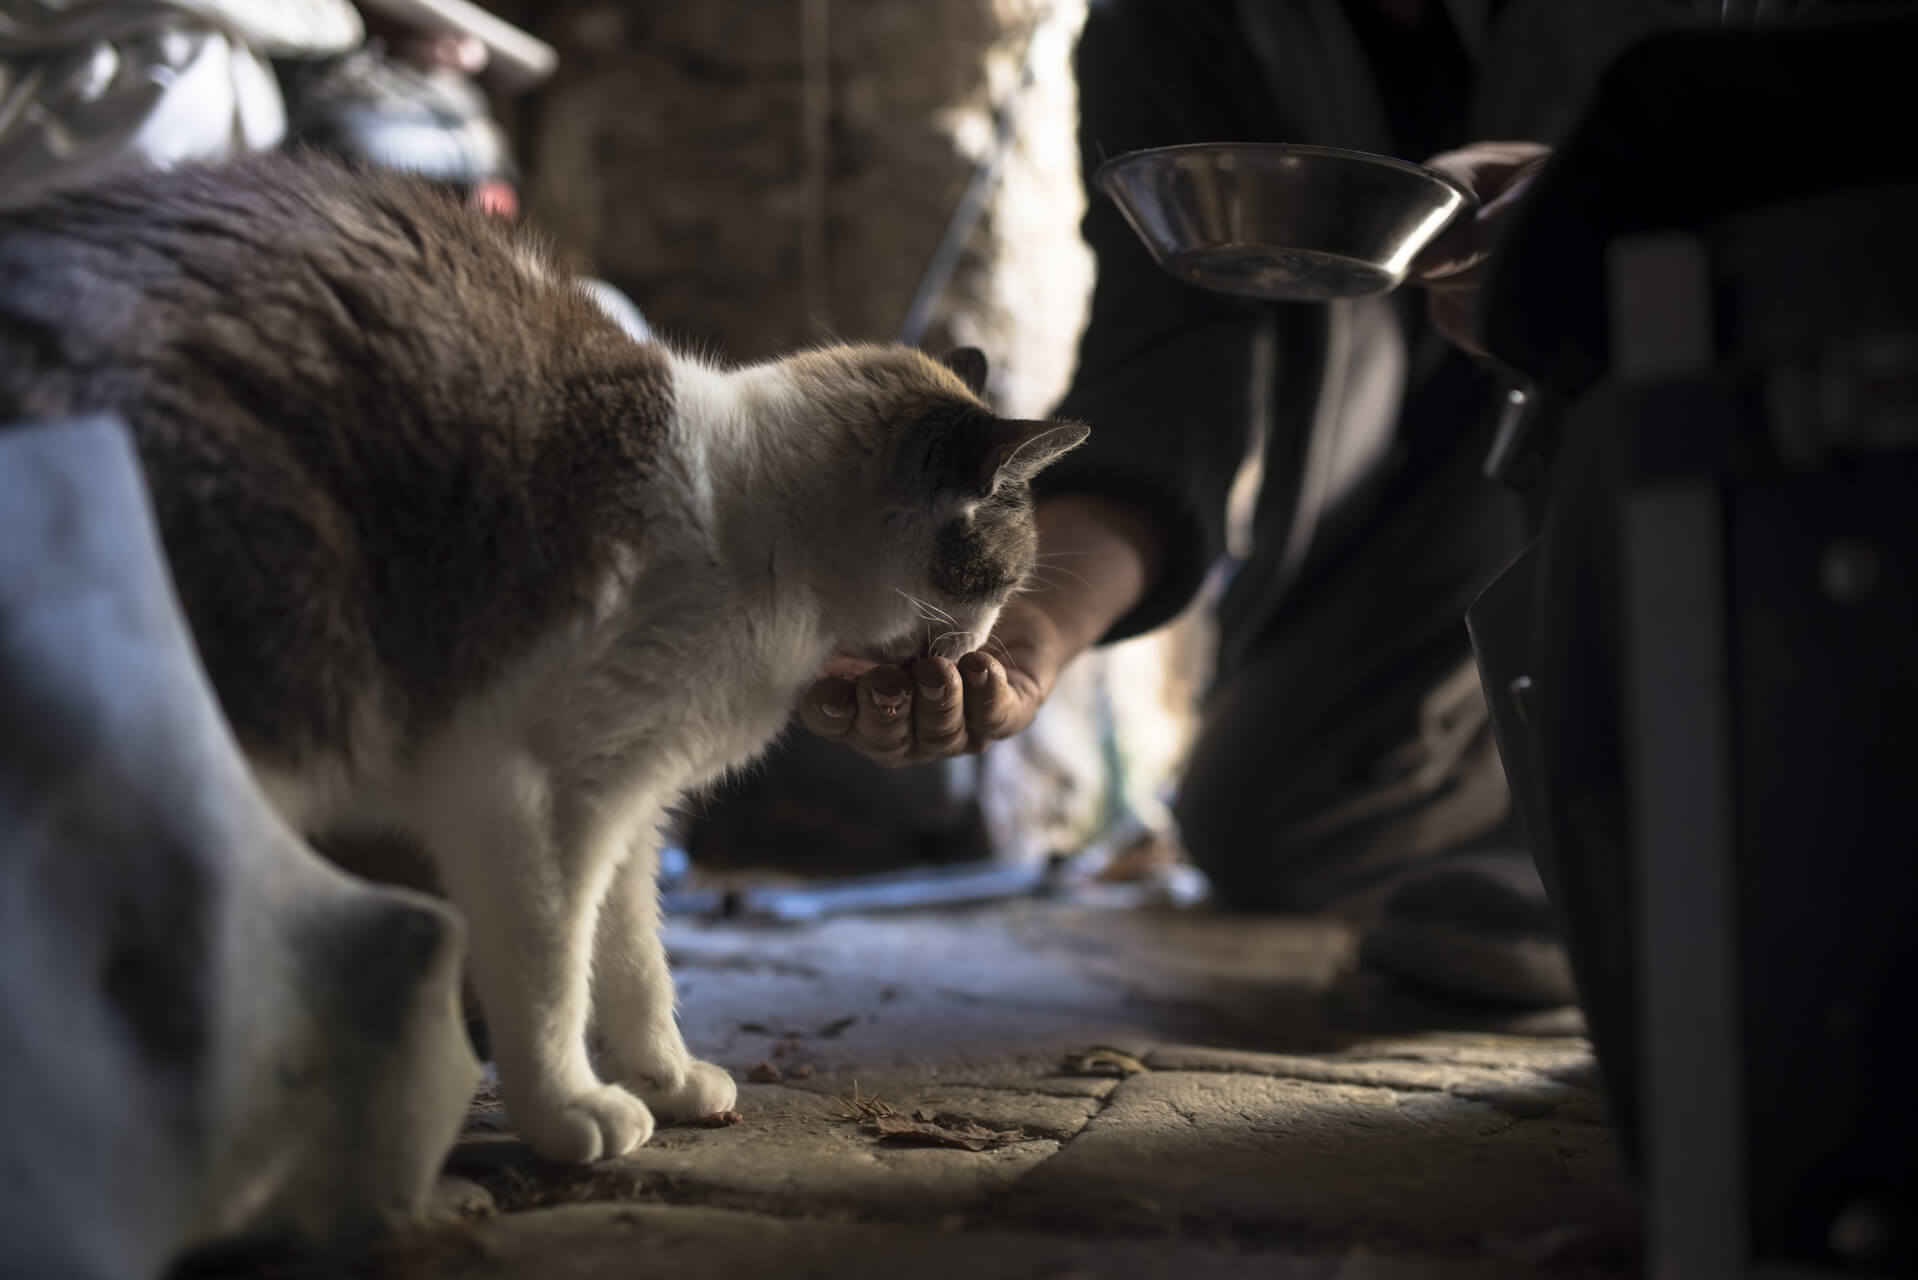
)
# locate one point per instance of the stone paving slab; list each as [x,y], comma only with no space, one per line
[609,1242]
[1278,1120]
[1523,1077]
[795,1149]
[1243,1153]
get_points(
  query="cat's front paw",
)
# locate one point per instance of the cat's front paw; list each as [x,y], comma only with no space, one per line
[701,1090]
[600,1123]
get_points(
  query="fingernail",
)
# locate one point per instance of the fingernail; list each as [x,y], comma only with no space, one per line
[889,688]
[976,676]
[933,687]
[838,710]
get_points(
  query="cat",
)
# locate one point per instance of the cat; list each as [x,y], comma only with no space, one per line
[465,560]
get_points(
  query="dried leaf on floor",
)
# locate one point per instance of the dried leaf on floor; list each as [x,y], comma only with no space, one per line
[835,1027]
[785,1047]
[804,1071]
[765,1073]
[1102,1060]
[926,1130]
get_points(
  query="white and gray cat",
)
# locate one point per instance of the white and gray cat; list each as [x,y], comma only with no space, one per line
[463,559]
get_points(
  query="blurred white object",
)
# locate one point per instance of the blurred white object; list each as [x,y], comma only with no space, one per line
[516,60]
[87,86]
[620,307]
[276,28]
[205,1030]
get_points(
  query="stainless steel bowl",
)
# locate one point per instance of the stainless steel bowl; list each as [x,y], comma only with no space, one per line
[1279,221]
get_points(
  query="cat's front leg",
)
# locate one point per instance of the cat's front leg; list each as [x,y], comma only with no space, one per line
[529,869]
[633,999]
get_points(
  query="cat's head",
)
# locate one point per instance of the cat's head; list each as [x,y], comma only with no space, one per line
[935,529]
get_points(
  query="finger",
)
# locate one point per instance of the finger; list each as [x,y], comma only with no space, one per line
[849,665]
[1457,250]
[1455,314]
[1486,167]
[1497,173]
[1511,192]
[1459,254]
[938,709]
[991,707]
[882,723]
[1459,247]
[827,708]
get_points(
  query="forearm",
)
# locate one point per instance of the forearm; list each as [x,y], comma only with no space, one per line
[1165,373]
[1098,557]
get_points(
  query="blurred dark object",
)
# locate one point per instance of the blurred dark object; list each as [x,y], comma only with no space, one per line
[89,87]
[373,106]
[1131,863]
[815,808]
[1702,675]
[512,60]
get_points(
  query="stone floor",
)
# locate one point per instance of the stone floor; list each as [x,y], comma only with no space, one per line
[1057,1090]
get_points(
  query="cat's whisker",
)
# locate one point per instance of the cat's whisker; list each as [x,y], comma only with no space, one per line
[1033,587]
[1005,654]
[1038,571]
[941,614]
[927,610]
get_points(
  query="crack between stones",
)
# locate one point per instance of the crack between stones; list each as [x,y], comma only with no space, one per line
[1486,1096]
[996,1204]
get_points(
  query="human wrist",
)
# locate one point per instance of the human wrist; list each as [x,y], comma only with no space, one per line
[1098,557]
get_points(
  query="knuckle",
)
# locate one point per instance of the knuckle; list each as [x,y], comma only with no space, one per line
[879,737]
[944,744]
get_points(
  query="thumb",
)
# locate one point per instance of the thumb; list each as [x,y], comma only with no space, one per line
[1498,173]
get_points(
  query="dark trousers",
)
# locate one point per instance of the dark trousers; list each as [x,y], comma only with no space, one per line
[1353,740]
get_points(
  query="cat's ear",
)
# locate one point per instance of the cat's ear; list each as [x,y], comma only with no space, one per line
[1008,449]
[970,364]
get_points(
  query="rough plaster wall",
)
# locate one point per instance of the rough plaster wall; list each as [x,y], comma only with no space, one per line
[763,173]
[1022,293]
[759,175]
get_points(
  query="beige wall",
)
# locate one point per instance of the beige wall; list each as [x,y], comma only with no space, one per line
[763,173]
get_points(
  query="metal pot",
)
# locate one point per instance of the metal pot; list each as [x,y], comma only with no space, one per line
[1280,221]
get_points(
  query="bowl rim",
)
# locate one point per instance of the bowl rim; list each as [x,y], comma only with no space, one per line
[1109,168]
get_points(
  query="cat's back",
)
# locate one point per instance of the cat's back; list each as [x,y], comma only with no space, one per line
[285,270]
[387,442]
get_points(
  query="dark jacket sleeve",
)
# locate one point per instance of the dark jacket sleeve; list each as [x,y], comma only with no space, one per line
[1165,371]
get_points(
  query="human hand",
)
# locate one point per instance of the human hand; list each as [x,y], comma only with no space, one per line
[933,708]
[1452,268]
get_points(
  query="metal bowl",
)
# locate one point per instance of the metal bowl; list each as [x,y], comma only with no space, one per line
[1279,221]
